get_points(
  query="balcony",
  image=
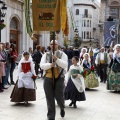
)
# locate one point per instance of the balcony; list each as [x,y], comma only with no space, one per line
[87,16]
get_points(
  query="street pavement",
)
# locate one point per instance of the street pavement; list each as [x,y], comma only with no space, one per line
[100,104]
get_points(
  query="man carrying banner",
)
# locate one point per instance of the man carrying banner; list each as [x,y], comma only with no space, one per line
[54,67]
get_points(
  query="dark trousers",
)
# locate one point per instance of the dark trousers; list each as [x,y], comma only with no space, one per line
[7,71]
[36,68]
[41,72]
[12,70]
[69,63]
[53,93]
[103,72]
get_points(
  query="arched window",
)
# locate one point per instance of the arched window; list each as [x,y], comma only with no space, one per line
[14,24]
[14,35]
[77,11]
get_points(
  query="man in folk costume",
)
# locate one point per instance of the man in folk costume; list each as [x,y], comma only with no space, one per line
[102,61]
[53,88]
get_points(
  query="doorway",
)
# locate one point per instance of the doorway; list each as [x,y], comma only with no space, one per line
[14,35]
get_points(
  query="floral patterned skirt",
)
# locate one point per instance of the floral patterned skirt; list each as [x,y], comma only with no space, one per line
[22,94]
[91,80]
[113,81]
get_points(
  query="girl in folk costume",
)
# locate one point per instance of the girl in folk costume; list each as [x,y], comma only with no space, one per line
[83,51]
[75,89]
[91,80]
[113,82]
[2,69]
[24,89]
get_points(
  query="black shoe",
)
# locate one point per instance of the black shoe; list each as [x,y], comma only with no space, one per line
[26,103]
[1,90]
[87,89]
[71,104]
[62,113]
[51,119]
[75,106]
[12,83]
[104,81]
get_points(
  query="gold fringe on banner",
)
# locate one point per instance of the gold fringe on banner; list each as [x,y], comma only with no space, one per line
[28,21]
[64,17]
[63,10]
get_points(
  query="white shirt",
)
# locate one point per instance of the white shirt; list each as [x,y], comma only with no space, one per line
[63,62]
[102,57]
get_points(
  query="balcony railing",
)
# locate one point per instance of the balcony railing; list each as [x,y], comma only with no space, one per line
[87,16]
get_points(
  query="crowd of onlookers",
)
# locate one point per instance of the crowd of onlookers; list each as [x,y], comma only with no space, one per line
[8,56]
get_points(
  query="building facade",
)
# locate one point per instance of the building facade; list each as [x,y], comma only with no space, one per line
[109,9]
[15,30]
[86,19]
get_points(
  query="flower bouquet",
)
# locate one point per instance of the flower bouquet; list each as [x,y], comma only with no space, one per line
[92,69]
[34,77]
[84,72]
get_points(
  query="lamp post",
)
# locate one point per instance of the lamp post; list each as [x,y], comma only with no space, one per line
[90,41]
[76,36]
[3,8]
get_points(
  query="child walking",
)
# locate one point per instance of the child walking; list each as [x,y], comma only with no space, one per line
[24,89]
[75,89]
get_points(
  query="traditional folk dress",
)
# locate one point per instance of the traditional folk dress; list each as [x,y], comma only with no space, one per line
[24,89]
[113,81]
[91,79]
[102,60]
[75,89]
[54,89]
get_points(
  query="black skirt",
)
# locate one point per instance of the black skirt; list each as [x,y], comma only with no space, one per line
[71,92]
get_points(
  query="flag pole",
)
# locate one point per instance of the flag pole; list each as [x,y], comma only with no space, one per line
[53,74]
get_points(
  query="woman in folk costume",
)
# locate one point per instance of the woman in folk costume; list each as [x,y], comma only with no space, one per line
[24,89]
[2,69]
[75,89]
[83,51]
[91,79]
[113,82]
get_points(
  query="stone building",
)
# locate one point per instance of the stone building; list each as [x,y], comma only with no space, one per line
[109,9]
[86,20]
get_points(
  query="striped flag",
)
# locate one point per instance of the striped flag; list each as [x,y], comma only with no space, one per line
[28,21]
[72,18]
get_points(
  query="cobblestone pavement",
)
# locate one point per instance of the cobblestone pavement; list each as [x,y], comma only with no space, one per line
[100,105]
